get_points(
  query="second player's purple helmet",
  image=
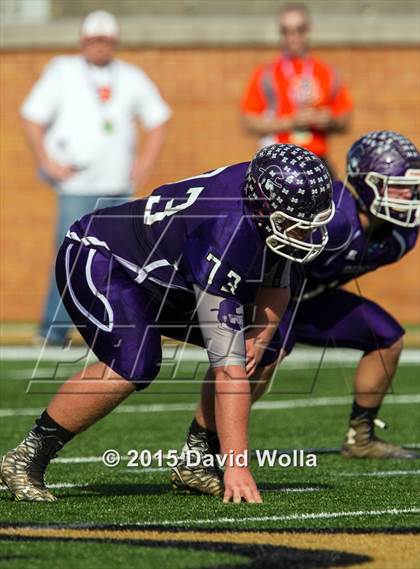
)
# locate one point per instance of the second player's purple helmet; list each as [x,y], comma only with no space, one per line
[381,160]
[289,193]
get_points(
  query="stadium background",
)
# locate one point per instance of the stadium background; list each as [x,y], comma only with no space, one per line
[200,54]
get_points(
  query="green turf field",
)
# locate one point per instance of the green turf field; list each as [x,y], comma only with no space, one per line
[359,502]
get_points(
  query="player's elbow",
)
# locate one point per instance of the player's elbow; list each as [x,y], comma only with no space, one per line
[396,348]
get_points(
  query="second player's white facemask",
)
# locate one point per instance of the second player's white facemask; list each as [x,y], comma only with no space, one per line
[401,211]
[298,240]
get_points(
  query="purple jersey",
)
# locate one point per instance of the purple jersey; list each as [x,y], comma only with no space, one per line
[195,231]
[352,252]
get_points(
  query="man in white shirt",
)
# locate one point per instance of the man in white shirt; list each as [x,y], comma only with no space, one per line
[80,120]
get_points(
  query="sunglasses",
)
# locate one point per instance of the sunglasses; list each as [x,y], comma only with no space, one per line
[302,29]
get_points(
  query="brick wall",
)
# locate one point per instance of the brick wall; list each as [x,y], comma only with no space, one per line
[203,87]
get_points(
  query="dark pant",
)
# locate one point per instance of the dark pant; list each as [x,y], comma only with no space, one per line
[339,318]
[120,320]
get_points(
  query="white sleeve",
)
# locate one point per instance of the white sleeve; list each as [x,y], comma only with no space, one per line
[150,107]
[42,103]
[221,324]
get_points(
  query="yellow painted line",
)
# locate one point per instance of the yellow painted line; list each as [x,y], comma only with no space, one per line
[387,551]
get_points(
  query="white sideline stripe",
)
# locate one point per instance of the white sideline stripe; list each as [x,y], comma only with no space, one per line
[169,407]
[85,484]
[306,516]
[146,470]
[325,401]
[288,490]
[299,355]
[98,459]
[59,485]
[296,364]
[52,375]
[77,459]
[259,406]
[382,473]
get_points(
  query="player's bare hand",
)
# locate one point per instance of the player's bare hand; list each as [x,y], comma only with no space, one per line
[254,352]
[251,357]
[57,171]
[304,118]
[240,485]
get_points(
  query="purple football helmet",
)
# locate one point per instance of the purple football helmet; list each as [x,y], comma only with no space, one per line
[289,193]
[381,166]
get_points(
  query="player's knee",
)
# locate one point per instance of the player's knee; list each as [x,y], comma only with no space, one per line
[396,348]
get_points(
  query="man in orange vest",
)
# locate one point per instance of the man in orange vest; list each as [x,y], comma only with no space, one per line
[297,98]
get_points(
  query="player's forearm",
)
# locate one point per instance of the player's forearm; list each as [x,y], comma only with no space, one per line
[233,400]
[270,305]
[263,126]
[35,136]
[232,404]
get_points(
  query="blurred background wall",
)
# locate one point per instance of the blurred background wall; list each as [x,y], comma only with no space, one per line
[200,53]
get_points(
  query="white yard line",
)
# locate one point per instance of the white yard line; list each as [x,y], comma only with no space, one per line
[300,355]
[154,408]
[381,473]
[291,490]
[59,485]
[35,353]
[52,375]
[98,459]
[86,485]
[77,459]
[301,403]
[285,518]
[326,401]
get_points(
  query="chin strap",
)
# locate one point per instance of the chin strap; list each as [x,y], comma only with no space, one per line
[356,196]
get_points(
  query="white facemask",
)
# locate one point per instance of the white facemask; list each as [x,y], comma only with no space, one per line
[282,242]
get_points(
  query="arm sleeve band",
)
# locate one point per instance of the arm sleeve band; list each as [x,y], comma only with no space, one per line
[221,324]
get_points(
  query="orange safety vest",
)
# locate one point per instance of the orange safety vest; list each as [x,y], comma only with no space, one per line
[282,87]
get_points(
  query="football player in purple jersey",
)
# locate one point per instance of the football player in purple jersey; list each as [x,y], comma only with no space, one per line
[183,262]
[376,222]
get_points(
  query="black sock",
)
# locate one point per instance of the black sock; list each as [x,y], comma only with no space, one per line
[55,436]
[359,412]
[211,436]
